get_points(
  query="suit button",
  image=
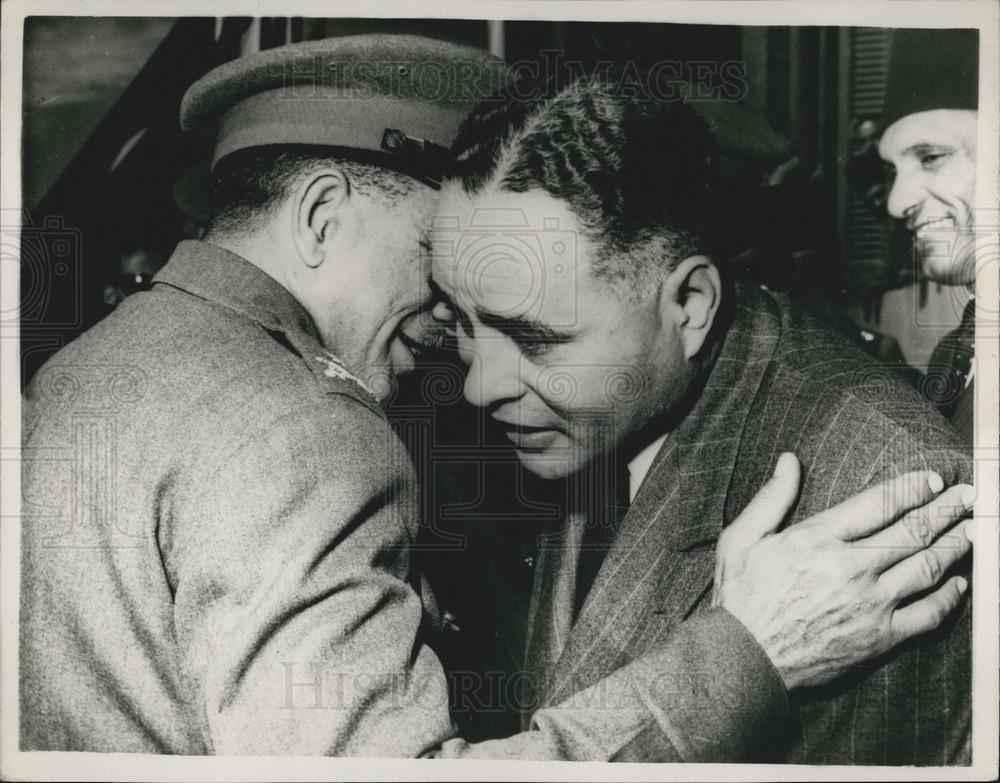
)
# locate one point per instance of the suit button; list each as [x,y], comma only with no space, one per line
[529,562]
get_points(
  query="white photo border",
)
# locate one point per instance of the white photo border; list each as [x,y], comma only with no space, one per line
[981,14]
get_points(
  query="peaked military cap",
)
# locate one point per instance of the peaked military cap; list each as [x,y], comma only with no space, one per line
[397,97]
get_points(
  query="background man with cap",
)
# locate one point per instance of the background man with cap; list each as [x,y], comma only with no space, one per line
[929,144]
[218,518]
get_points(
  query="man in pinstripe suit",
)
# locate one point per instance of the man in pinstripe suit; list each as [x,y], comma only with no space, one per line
[574,251]
[218,518]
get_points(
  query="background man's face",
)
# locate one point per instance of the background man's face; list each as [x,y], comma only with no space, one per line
[555,355]
[136,269]
[934,157]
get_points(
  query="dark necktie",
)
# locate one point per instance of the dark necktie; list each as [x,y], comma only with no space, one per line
[609,503]
[951,363]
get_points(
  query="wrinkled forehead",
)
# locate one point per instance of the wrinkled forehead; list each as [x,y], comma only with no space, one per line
[513,254]
[939,127]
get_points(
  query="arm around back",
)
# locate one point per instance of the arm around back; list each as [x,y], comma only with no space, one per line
[299,630]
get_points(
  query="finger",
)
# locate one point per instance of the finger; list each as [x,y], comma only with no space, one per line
[765,513]
[924,569]
[927,613]
[876,507]
[918,529]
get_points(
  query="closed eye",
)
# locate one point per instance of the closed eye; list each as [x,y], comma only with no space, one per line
[533,348]
[533,338]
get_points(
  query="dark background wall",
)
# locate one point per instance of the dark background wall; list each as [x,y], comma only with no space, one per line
[102,153]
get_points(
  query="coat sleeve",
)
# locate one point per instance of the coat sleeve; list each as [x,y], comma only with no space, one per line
[913,705]
[297,626]
[300,633]
[929,720]
[708,693]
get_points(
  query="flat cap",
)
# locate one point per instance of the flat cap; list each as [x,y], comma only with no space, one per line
[399,96]
[931,69]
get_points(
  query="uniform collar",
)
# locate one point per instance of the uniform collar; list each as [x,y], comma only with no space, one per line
[216,275]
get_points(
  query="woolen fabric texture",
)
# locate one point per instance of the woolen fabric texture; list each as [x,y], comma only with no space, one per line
[215,557]
[782,382]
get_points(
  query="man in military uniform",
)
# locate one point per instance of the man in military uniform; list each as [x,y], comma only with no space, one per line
[930,123]
[218,517]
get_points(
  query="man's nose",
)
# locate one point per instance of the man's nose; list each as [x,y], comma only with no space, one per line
[493,374]
[904,197]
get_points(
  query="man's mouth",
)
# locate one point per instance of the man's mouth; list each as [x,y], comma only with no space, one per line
[417,347]
[528,438]
[921,230]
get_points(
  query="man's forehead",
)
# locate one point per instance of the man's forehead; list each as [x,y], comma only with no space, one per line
[501,276]
[512,254]
[909,134]
[505,283]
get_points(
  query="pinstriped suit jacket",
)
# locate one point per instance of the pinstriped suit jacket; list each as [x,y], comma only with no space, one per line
[782,382]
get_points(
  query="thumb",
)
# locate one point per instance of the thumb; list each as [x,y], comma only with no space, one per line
[765,513]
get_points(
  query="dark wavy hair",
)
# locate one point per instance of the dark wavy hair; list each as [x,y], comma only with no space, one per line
[637,171]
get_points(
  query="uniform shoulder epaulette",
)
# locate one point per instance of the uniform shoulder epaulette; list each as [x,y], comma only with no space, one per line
[335,377]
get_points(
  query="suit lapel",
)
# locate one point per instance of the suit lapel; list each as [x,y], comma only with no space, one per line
[624,585]
[551,615]
[662,559]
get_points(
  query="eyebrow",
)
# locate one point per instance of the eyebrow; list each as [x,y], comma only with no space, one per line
[518,327]
[923,147]
[522,328]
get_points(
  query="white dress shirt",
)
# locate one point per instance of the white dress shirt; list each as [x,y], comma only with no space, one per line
[640,465]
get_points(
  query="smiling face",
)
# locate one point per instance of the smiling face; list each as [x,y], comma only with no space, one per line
[933,155]
[348,240]
[362,269]
[566,364]
[379,296]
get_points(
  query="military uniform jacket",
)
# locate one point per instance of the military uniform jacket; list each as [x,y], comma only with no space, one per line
[781,382]
[215,537]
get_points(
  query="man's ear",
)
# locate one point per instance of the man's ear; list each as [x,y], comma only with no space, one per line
[690,299]
[317,212]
